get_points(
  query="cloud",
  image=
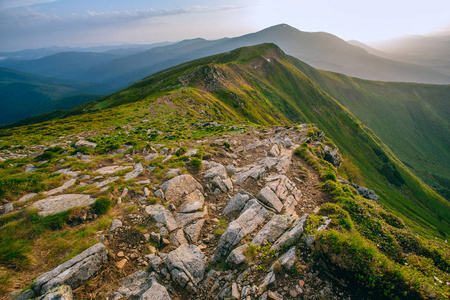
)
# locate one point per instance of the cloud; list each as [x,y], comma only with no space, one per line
[4,4]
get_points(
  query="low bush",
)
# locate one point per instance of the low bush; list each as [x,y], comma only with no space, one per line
[102,205]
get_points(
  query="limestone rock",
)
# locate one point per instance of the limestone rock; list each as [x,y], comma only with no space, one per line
[332,156]
[162,215]
[186,264]
[156,292]
[56,204]
[111,169]
[106,182]
[269,198]
[134,285]
[183,219]
[116,223]
[237,256]
[236,203]
[175,188]
[194,201]
[29,168]
[177,238]
[193,231]
[60,189]
[151,156]
[363,191]
[273,229]
[215,169]
[74,272]
[83,143]
[63,292]
[291,235]
[288,259]
[274,151]
[268,281]
[27,197]
[138,169]
[252,216]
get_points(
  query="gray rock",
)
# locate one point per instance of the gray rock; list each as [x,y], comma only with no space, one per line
[27,197]
[175,188]
[112,169]
[116,223]
[163,231]
[191,152]
[309,239]
[156,292]
[332,156]
[214,170]
[106,182]
[274,151]
[269,198]
[273,229]
[56,204]
[151,156]
[363,191]
[138,169]
[290,236]
[156,264]
[237,256]
[186,264]
[177,238]
[183,219]
[74,272]
[173,172]
[60,189]
[252,216]
[231,169]
[194,201]
[223,184]
[236,203]
[83,143]
[162,215]
[288,259]
[235,291]
[29,168]
[268,282]
[25,295]
[68,171]
[134,285]
[193,231]
[159,194]
[7,208]
[63,292]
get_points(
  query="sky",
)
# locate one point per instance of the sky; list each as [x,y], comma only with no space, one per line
[43,23]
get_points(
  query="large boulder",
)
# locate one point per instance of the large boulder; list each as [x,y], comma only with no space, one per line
[74,272]
[162,215]
[290,236]
[56,204]
[187,265]
[269,198]
[332,156]
[253,215]
[194,201]
[363,191]
[179,186]
[273,229]
[236,203]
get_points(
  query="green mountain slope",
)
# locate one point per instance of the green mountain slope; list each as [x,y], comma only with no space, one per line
[412,119]
[261,85]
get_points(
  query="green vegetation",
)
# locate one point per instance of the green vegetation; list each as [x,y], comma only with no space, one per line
[102,205]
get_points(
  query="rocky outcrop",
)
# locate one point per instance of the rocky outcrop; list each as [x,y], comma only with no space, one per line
[138,169]
[273,229]
[83,143]
[63,292]
[141,285]
[162,215]
[180,186]
[290,236]
[74,272]
[56,204]
[363,191]
[332,156]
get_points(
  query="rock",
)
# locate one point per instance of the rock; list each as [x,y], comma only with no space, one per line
[151,156]
[121,264]
[159,194]
[173,172]
[193,231]
[293,293]
[56,204]
[163,231]
[29,168]
[237,256]
[156,292]
[27,197]
[146,192]
[191,152]
[274,152]
[83,143]
[268,282]
[138,169]
[68,171]
[288,259]
[231,169]
[134,285]
[363,191]
[116,223]
[309,239]
[74,272]
[235,291]
[156,264]
[274,296]
[178,238]
[162,215]
[175,188]
[223,184]
[167,158]
[112,169]
[215,170]
[186,264]
[124,193]
[7,208]
[25,295]
[194,201]
[269,198]
[120,254]
[236,203]
[252,216]
[273,229]
[63,292]
[60,189]
[183,219]
[290,236]
[332,156]
[106,182]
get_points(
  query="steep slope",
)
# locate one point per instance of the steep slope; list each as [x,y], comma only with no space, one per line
[413,119]
[23,95]
[261,85]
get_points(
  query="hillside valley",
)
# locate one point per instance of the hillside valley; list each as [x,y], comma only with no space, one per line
[237,175]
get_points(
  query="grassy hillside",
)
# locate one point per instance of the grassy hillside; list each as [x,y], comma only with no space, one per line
[260,85]
[412,119]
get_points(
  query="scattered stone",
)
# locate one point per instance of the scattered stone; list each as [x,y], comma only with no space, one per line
[332,156]
[186,264]
[29,168]
[74,272]
[83,143]
[120,264]
[26,197]
[156,292]
[25,295]
[236,203]
[237,256]
[268,282]
[269,198]
[151,156]
[193,231]
[288,259]
[162,215]
[116,223]
[173,172]
[56,204]
[124,193]
[273,229]
[163,231]
[214,170]
[274,151]
[7,208]
[60,189]
[184,219]
[363,191]
[120,254]
[274,296]
[175,188]
[112,169]
[290,236]
[106,182]
[159,194]
[68,171]
[133,286]
[235,291]
[138,169]
[194,201]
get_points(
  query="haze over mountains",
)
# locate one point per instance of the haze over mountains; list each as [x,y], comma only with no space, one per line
[117,68]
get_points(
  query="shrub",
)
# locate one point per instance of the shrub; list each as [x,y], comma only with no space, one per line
[227,145]
[339,217]
[102,205]
[182,150]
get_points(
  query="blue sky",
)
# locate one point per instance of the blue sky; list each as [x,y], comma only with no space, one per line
[41,23]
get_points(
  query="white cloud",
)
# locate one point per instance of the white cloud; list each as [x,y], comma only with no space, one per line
[21,3]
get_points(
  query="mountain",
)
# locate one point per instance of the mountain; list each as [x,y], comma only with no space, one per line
[237,161]
[24,95]
[413,119]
